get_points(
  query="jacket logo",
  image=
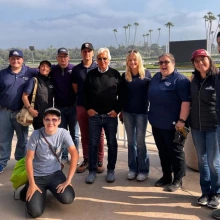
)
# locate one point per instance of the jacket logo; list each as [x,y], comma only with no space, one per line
[209,88]
[25,78]
[167,83]
[69,71]
[51,86]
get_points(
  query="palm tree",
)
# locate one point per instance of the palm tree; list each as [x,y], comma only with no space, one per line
[206,30]
[147,38]
[169,25]
[129,33]
[135,31]
[150,36]
[210,18]
[217,29]
[158,35]
[115,31]
[144,35]
[126,42]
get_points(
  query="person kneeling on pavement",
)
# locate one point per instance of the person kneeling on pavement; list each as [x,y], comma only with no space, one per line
[44,151]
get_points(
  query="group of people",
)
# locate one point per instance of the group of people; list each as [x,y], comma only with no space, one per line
[91,95]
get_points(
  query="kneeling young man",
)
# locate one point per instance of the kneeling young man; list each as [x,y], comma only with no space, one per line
[43,164]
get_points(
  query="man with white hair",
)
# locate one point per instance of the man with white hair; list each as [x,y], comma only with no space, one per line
[102,103]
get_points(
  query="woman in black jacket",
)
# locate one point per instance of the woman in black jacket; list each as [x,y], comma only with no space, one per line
[44,94]
[203,123]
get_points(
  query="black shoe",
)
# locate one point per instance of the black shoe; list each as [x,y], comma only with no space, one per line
[163,181]
[216,214]
[175,185]
[214,202]
[23,194]
[203,200]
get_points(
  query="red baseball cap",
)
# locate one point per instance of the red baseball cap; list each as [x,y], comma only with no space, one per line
[200,52]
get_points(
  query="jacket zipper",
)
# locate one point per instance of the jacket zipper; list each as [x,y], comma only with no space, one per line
[200,124]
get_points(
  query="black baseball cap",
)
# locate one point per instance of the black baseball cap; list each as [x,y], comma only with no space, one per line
[45,61]
[87,46]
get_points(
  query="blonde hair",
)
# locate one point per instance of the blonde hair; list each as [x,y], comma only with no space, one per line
[141,70]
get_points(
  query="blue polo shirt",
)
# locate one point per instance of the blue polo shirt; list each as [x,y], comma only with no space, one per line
[64,95]
[12,86]
[166,97]
[135,93]
[79,73]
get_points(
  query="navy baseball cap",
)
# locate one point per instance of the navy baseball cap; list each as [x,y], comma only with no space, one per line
[87,46]
[62,50]
[16,53]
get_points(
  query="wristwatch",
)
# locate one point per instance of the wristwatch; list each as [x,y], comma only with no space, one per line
[181,120]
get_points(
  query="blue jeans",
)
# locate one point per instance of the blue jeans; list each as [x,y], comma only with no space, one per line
[207,149]
[69,122]
[110,124]
[36,206]
[136,126]
[8,125]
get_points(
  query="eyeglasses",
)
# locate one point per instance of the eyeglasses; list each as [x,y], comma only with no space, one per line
[63,56]
[53,120]
[132,51]
[199,60]
[102,58]
[166,62]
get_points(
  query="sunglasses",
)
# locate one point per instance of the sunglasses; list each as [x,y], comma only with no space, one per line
[166,62]
[53,120]
[102,58]
[132,51]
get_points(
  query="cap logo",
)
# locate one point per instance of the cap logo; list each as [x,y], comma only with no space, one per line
[86,45]
[15,53]
[62,50]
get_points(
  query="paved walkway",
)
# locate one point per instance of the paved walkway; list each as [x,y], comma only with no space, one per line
[121,200]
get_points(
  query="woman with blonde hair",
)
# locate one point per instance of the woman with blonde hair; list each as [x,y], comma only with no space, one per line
[135,106]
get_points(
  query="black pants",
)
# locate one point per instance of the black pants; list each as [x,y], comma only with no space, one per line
[37,125]
[171,155]
[36,205]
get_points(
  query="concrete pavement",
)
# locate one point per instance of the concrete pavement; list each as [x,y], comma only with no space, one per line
[120,200]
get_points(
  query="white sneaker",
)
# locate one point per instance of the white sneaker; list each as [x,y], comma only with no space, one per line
[131,175]
[141,177]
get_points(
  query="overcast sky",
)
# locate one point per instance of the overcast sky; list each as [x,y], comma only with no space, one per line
[69,23]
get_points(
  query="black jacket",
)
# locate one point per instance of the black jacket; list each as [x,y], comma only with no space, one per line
[44,96]
[203,103]
[102,91]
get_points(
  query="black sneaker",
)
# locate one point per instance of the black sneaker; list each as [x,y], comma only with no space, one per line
[163,181]
[203,200]
[175,185]
[214,202]
[83,166]
[216,214]
[100,167]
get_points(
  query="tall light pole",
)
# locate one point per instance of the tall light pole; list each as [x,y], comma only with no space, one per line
[31,48]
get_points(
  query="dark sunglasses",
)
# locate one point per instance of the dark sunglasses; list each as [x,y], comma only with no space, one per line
[102,58]
[166,62]
[132,51]
[53,120]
